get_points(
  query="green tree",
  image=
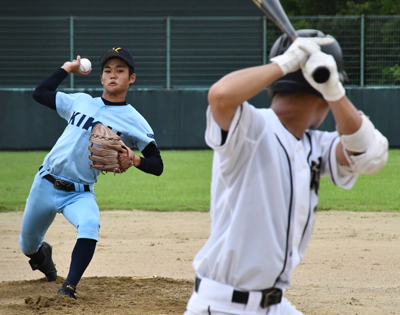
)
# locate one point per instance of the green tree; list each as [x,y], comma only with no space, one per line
[341,7]
[381,7]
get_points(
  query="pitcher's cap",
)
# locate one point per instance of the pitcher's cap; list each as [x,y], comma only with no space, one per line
[118,53]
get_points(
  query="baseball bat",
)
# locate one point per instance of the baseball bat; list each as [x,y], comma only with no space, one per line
[274,11]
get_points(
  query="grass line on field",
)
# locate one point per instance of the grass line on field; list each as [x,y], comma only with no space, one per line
[185,185]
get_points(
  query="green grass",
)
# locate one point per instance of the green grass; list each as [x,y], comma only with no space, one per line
[185,185]
[377,192]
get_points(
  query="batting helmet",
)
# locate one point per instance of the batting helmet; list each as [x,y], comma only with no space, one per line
[295,81]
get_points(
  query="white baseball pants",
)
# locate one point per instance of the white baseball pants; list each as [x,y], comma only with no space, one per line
[214,298]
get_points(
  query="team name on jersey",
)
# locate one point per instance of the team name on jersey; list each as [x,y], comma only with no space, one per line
[315,169]
[85,122]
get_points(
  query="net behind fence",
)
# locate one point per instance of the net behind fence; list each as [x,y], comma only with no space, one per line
[186,52]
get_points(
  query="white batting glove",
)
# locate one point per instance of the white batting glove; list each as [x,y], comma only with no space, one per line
[332,90]
[296,55]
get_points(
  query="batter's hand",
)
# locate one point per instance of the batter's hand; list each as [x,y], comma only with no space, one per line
[296,55]
[332,90]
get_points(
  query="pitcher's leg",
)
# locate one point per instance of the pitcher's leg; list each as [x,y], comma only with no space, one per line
[85,216]
[39,214]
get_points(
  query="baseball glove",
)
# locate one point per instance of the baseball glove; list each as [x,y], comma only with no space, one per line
[108,152]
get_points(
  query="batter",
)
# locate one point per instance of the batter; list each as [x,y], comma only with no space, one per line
[266,170]
[65,181]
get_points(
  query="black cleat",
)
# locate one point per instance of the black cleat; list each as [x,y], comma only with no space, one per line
[67,289]
[48,267]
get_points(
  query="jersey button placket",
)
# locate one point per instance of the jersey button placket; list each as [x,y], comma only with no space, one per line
[298,150]
[300,201]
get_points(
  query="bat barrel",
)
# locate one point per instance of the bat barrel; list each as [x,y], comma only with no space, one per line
[274,11]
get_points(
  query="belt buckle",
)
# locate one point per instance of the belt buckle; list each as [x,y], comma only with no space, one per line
[63,185]
[274,293]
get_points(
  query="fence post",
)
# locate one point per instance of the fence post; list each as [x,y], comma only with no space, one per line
[264,40]
[362,52]
[168,56]
[71,48]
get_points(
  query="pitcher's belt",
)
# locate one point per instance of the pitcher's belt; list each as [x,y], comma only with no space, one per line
[62,184]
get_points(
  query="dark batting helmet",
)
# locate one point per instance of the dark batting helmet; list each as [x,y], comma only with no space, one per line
[295,81]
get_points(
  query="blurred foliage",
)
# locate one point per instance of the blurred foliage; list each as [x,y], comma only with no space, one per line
[370,43]
[390,76]
[341,7]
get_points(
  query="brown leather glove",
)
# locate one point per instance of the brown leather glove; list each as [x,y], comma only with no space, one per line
[108,152]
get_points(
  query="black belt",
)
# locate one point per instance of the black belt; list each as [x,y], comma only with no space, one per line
[270,296]
[62,184]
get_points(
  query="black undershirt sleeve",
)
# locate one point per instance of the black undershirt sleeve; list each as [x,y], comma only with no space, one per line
[152,162]
[45,92]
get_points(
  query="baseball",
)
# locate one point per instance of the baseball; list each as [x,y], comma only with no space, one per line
[85,65]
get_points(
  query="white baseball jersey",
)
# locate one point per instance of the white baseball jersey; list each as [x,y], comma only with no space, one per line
[69,158]
[264,196]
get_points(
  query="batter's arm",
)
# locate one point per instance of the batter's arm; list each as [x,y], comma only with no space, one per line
[348,121]
[239,86]
[362,148]
[233,89]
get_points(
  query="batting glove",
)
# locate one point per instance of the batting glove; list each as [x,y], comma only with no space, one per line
[296,55]
[332,90]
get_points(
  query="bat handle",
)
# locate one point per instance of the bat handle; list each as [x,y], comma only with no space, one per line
[321,74]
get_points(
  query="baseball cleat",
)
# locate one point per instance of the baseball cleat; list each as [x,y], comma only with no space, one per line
[67,289]
[48,267]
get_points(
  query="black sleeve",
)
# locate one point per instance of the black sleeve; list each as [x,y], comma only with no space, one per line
[152,162]
[45,92]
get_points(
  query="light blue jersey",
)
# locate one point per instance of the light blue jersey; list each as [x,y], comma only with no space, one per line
[69,159]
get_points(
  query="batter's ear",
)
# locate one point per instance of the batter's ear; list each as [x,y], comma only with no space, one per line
[101,79]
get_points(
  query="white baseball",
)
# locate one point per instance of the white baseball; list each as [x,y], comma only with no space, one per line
[85,65]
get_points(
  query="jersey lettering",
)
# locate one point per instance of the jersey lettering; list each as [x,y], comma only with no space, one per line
[315,175]
[72,119]
[90,122]
[81,120]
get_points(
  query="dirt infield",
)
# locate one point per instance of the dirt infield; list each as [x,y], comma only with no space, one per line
[142,265]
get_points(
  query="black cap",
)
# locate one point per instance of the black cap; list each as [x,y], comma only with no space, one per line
[118,53]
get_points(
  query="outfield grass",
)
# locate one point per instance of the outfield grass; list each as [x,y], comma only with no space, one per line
[185,185]
[377,192]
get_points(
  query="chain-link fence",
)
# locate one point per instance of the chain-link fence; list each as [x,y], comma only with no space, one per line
[186,52]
